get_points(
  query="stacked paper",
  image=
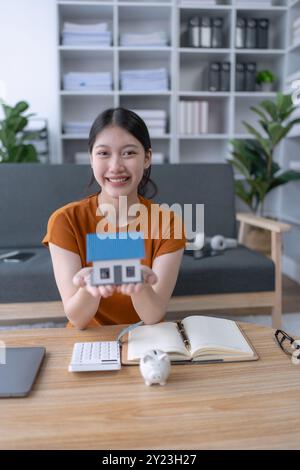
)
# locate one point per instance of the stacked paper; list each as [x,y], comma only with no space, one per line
[155,120]
[156,39]
[193,117]
[87,81]
[144,80]
[74,34]
[76,127]
[296,30]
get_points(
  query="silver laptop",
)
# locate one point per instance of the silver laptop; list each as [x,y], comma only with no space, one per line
[19,370]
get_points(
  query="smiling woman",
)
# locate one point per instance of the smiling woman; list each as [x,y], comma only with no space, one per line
[120,157]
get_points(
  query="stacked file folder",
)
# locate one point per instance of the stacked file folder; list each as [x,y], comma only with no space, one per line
[193,117]
[155,39]
[87,81]
[74,34]
[155,120]
[144,80]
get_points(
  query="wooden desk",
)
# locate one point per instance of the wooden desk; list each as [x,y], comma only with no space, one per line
[250,405]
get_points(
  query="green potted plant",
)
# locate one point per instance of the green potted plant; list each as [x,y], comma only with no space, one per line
[14,139]
[265,79]
[254,158]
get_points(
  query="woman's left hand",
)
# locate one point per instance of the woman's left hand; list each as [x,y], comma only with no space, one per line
[149,277]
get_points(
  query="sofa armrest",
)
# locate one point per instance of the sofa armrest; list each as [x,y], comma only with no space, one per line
[262,222]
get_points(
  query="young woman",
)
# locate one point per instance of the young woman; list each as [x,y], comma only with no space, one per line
[120,157]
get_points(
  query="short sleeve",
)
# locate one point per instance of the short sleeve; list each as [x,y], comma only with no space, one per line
[60,232]
[172,236]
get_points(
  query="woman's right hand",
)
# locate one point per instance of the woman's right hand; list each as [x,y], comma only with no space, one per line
[83,279]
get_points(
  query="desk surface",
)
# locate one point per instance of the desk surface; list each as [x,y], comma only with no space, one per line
[252,405]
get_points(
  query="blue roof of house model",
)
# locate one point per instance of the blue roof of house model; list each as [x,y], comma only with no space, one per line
[113,246]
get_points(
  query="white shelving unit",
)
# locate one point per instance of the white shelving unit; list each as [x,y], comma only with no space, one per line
[187,68]
[289,195]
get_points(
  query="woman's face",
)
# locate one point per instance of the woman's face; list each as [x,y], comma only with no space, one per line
[118,160]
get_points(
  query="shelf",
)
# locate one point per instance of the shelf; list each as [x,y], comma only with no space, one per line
[85,48]
[204,137]
[188,70]
[144,92]
[206,51]
[266,52]
[208,94]
[143,49]
[206,8]
[254,94]
[86,93]
[243,136]
[271,9]
[85,136]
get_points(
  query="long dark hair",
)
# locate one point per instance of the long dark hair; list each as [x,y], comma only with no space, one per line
[132,123]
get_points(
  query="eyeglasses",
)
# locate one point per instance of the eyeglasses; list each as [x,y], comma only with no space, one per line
[289,345]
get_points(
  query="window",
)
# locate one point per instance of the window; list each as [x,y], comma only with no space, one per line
[130,271]
[104,273]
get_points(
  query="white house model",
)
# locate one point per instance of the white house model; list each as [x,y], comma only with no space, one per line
[116,257]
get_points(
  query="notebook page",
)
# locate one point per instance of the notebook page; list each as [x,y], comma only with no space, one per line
[164,336]
[215,333]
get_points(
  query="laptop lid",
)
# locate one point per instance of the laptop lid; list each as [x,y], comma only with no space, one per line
[19,370]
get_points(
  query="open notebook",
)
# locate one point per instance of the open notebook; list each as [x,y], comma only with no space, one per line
[195,338]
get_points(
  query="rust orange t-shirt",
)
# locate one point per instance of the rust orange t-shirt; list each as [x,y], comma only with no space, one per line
[69,225]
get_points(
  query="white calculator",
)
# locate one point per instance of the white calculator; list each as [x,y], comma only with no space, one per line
[102,355]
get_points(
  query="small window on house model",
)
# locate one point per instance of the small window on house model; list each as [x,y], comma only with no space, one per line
[130,271]
[104,273]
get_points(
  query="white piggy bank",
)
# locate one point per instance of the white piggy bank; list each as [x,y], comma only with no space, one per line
[155,367]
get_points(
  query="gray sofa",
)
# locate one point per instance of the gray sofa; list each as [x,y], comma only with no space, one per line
[29,193]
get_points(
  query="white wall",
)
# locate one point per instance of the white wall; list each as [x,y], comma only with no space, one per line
[28,65]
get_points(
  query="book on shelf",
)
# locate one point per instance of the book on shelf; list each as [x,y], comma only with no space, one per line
[193,117]
[194,339]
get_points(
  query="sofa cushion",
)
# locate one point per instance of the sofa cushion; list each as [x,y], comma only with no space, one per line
[235,270]
[29,193]
[206,183]
[28,281]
